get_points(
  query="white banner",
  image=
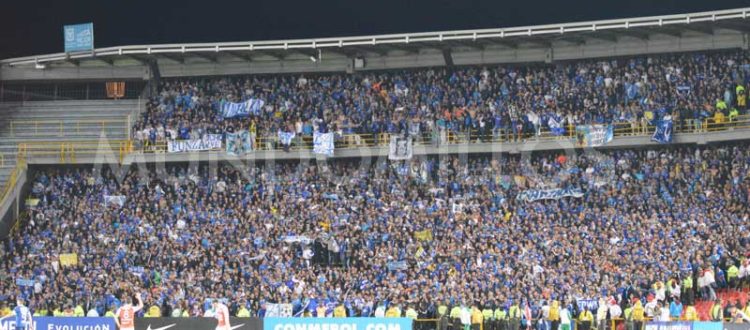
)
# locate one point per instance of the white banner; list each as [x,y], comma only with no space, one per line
[278,310]
[400,148]
[117,200]
[323,143]
[208,142]
[535,194]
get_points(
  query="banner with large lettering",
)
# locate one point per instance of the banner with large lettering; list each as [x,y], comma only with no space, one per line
[207,142]
[192,323]
[537,194]
[323,143]
[594,135]
[241,109]
[64,323]
[344,323]
[400,148]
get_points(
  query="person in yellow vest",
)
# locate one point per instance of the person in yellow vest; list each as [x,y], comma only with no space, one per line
[476,318]
[153,311]
[411,312]
[487,316]
[732,274]
[687,290]
[746,310]
[320,311]
[57,312]
[554,315]
[717,312]
[393,311]
[78,311]
[4,310]
[721,106]
[627,314]
[110,312]
[454,321]
[339,311]
[585,319]
[514,316]
[638,315]
[501,318]
[741,96]
[243,312]
[442,309]
[691,314]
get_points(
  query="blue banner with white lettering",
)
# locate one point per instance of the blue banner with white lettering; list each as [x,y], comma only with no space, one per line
[538,194]
[64,323]
[594,135]
[242,109]
[663,133]
[590,304]
[344,323]
[79,37]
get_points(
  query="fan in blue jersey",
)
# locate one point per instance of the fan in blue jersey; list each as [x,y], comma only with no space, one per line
[23,316]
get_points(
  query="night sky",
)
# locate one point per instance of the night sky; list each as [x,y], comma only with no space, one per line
[29,27]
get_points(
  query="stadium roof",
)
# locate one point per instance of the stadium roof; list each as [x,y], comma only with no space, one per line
[610,30]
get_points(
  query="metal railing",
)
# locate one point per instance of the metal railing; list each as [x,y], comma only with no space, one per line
[614,25]
[352,141]
[67,151]
[65,127]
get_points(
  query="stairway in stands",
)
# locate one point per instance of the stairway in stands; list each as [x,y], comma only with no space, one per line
[703,307]
[59,121]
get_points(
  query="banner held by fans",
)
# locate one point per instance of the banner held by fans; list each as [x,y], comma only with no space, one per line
[593,135]
[323,143]
[535,194]
[208,142]
[401,148]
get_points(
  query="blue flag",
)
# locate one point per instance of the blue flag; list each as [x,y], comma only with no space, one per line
[663,133]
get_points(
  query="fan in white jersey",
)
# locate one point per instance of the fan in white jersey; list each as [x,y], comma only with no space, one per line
[221,313]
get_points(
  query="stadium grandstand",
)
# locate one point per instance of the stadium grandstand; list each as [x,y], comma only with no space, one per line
[577,175]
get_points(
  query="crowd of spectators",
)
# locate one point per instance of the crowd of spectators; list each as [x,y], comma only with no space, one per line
[417,235]
[511,101]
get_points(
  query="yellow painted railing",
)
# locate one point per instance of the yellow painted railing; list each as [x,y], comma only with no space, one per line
[51,127]
[350,141]
[66,151]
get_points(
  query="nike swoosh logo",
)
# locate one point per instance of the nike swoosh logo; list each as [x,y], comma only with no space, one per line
[162,328]
[237,326]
